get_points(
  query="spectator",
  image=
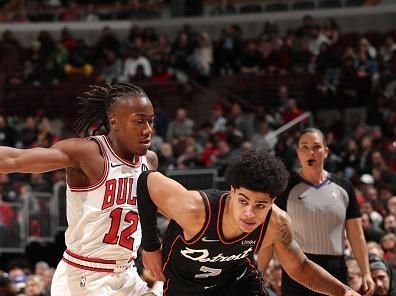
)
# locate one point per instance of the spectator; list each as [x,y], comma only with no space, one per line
[132,63]
[70,12]
[371,232]
[181,126]
[218,119]
[202,58]
[263,140]
[250,59]
[382,276]
[291,111]
[181,53]
[8,134]
[355,279]
[107,42]
[161,49]
[91,14]
[111,69]
[166,159]
[18,277]
[375,248]
[47,278]
[7,288]
[390,223]
[34,286]
[78,60]
[160,73]
[388,244]
[40,268]
[276,279]
[7,217]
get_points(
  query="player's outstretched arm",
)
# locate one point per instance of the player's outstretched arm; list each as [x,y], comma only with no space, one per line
[37,160]
[174,201]
[300,268]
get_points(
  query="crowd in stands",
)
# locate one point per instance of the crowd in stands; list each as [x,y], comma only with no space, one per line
[362,149]
[74,11]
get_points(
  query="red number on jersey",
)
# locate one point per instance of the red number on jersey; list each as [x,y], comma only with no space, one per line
[125,239]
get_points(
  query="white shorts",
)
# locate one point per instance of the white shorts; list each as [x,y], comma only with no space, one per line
[71,281]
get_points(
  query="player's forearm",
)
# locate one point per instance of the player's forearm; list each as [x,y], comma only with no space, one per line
[359,250]
[358,244]
[319,280]
[8,159]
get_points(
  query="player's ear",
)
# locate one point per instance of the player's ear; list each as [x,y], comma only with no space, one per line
[113,122]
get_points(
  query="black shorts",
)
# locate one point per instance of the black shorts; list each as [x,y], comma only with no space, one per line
[335,265]
[250,285]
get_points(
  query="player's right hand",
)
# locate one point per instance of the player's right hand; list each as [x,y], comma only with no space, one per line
[152,261]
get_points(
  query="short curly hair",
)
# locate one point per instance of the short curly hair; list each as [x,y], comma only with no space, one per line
[258,171]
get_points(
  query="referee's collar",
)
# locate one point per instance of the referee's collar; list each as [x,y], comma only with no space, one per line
[316,186]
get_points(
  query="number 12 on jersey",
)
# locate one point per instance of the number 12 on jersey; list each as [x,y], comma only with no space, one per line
[125,238]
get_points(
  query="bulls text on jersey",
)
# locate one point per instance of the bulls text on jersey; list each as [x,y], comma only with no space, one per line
[118,191]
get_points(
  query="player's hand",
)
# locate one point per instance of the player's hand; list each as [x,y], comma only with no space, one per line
[152,261]
[367,286]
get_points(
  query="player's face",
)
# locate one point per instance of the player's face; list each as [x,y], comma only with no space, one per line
[311,151]
[131,123]
[249,208]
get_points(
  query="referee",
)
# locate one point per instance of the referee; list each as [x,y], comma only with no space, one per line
[322,206]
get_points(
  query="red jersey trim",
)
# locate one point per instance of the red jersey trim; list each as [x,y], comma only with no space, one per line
[90,259]
[87,267]
[124,161]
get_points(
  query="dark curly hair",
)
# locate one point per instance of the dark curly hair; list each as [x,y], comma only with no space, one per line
[95,104]
[258,171]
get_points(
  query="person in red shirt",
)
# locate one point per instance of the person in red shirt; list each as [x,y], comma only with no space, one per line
[291,111]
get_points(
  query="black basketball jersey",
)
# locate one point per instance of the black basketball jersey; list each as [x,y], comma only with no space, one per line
[209,264]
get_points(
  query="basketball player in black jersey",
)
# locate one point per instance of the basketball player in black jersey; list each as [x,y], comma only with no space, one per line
[213,235]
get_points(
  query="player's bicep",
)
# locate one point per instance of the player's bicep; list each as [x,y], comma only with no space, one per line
[174,200]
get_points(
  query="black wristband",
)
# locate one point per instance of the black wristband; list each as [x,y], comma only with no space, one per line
[148,215]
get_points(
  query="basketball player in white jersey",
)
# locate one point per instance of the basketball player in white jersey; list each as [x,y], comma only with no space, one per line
[103,233]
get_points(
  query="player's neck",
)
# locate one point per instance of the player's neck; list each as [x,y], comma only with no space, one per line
[314,175]
[119,150]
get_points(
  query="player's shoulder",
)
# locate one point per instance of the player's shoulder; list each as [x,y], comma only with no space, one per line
[279,216]
[152,159]
[78,143]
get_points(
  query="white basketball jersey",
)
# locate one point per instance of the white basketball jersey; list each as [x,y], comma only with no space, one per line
[103,219]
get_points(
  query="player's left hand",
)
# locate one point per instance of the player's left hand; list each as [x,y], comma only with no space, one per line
[367,286]
[152,261]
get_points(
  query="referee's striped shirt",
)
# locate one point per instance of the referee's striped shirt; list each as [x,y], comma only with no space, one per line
[319,212]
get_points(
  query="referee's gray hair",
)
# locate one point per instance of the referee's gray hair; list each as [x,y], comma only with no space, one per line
[312,130]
